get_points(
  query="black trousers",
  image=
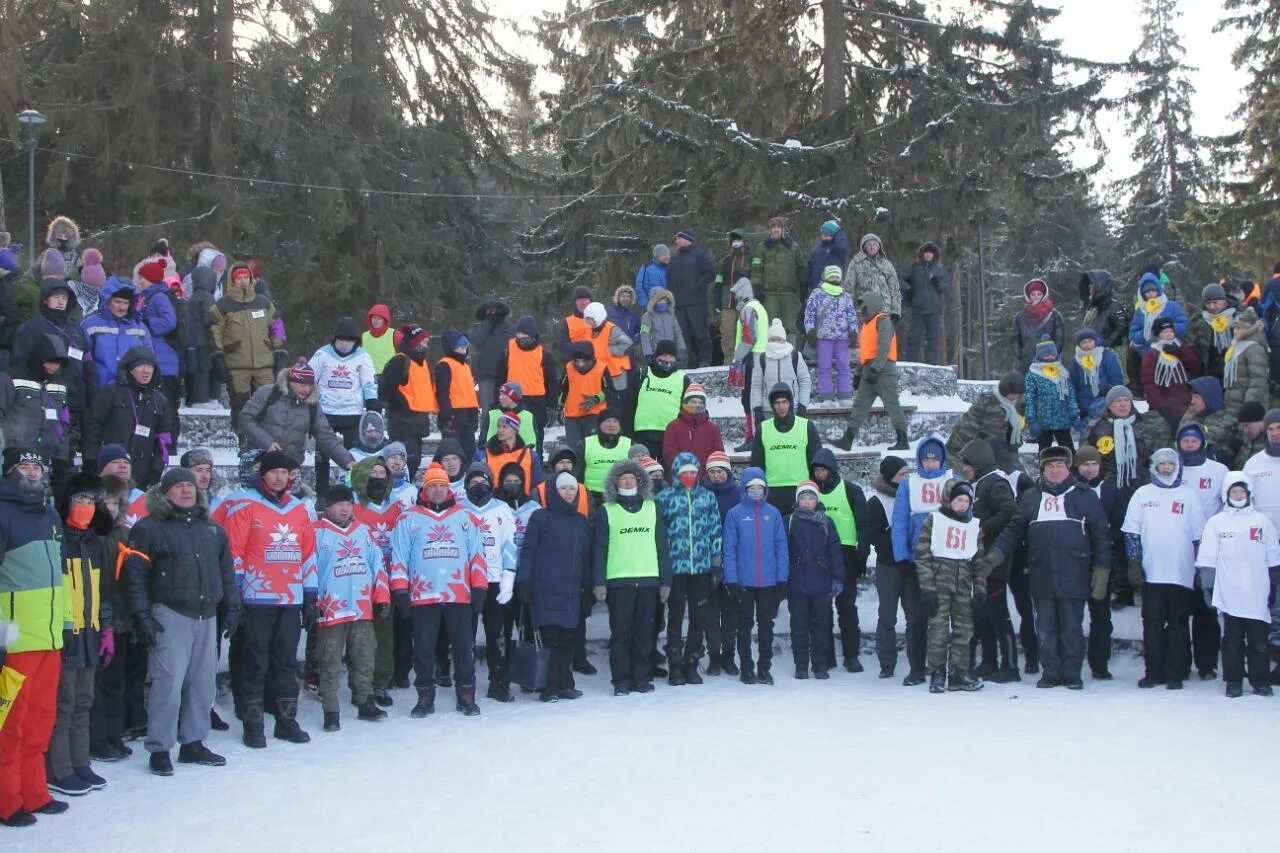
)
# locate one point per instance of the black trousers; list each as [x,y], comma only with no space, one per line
[347,426]
[265,665]
[847,616]
[499,622]
[1206,634]
[724,611]
[1245,639]
[899,582]
[1020,587]
[925,338]
[1060,437]
[580,634]
[402,645]
[990,622]
[538,409]
[1099,649]
[427,620]
[694,593]
[464,426]
[631,613]
[695,323]
[119,702]
[172,386]
[197,375]
[1165,633]
[560,665]
[810,631]
[1060,626]
[757,606]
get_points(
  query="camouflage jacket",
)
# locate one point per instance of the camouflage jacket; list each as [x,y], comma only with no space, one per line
[1150,431]
[984,419]
[1221,430]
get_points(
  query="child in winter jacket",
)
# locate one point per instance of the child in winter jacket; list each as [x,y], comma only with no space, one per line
[756,568]
[1239,567]
[1245,365]
[1167,369]
[351,581]
[659,324]
[88,640]
[831,324]
[694,535]
[780,363]
[815,576]
[132,412]
[949,584]
[33,404]
[1094,371]
[1152,304]
[1051,405]
[1034,323]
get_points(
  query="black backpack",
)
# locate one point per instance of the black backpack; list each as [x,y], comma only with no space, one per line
[180,337]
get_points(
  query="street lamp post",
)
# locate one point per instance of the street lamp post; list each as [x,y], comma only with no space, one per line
[31,118]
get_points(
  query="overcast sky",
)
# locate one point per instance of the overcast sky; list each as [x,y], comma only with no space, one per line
[1096,29]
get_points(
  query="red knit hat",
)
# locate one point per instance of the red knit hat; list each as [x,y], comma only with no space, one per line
[152,271]
[302,373]
[719,459]
[412,335]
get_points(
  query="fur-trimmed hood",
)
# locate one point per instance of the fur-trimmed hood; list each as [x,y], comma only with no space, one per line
[78,483]
[63,229]
[659,294]
[282,383]
[626,466]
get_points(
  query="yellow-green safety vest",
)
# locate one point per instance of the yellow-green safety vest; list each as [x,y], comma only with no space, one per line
[526,427]
[598,459]
[836,503]
[633,542]
[786,462]
[658,401]
[762,326]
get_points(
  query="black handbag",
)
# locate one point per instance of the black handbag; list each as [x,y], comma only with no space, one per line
[529,661]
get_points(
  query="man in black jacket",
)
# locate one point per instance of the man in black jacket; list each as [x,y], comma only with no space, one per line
[489,335]
[689,276]
[1069,555]
[177,572]
[926,286]
[994,506]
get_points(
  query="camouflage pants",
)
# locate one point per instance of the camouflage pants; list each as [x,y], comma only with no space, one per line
[952,626]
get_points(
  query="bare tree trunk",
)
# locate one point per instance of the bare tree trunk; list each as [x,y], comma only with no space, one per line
[205,32]
[835,51]
[365,240]
[222,111]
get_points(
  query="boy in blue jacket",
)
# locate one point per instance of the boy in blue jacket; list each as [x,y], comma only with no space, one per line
[756,569]
[919,495]
[816,575]
[1151,305]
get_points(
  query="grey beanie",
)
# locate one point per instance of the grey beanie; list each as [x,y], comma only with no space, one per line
[1212,291]
[1118,392]
[660,250]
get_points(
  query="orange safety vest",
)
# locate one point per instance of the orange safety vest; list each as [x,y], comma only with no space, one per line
[462,385]
[614,364]
[582,386]
[525,367]
[419,389]
[498,461]
[578,328]
[540,494]
[869,342]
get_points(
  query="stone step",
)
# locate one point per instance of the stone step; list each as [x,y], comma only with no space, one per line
[926,380]
[876,429]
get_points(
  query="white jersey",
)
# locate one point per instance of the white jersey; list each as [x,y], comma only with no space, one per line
[1240,545]
[1263,472]
[405,494]
[523,514]
[1206,481]
[926,492]
[1169,522]
[953,540]
[497,524]
[344,382]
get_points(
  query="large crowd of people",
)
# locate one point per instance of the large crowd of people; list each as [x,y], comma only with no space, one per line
[126,567]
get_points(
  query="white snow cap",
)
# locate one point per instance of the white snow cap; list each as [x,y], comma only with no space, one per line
[566,480]
[595,313]
[776,332]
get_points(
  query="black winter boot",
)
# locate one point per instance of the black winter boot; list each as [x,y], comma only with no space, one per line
[217,723]
[961,680]
[382,697]
[676,678]
[902,443]
[913,678]
[938,681]
[197,753]
[500,691]
[370,711]
[332,721]
[748,675]
[426,703]
[727,664]
[1235,689]
[160,764]
[466,694]
[287,727]
[713,665]
[254,738]
[691,673]
[764,676]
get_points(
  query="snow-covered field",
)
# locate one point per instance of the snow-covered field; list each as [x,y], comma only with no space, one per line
[854,762]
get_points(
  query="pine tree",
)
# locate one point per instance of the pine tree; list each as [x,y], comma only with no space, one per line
[1172,171]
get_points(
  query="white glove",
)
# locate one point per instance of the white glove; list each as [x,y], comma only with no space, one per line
[506,587]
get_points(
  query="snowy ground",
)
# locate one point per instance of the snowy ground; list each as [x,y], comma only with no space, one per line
[724,766]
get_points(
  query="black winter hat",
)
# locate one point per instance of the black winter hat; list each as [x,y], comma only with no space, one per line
[1055,453]
[581,292]
[890,466]
[174,476]
[347,328]
[1251,412]
[338,493]
[979,454]
[780,389]
[274,459]
[527,325]
[15,456]
[1012,382]
[666,346]
[1159,325]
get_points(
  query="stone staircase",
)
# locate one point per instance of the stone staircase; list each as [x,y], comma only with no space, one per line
[932,397]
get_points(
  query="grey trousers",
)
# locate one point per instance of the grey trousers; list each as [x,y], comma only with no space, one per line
[576,431]
[1060,629]
[355,641]
[69,745]
[182,669]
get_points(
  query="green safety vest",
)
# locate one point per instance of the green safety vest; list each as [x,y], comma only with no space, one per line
[785,459]
[658,401]
[633,542]
[838,510]
[598,459]
[526,427]
[762,326]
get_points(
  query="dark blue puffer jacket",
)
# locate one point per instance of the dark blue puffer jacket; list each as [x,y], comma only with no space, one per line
[835,252]
[555,557]
[817,560]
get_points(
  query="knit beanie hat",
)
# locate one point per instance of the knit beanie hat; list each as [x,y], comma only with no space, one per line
[510,419]
[435,476]
[833,274]
[776,330]
[302,373]
[92,272]
[513,391]
[686,234]
[565,480]
[527,325]
[695,389]
[152,271]
[1211,292]
[1160,324]
[660,250]
[1012,382]
[412,335]
[1272,417]
[174,476]
[890,466]
[1046,350]
[689,465]
[666,346]
[831,228]
[339,493]
[1251,412]
[1118,392]
[1087,453]
[651,466]
[273,459]
[53,265]
[719,459]
[1085,334]
[596,313]
[15,456]
[109,453]
[810,487]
